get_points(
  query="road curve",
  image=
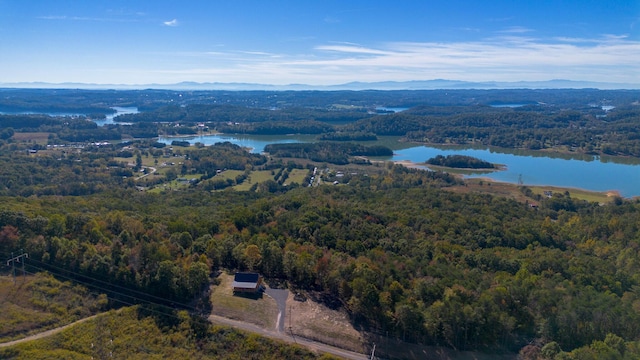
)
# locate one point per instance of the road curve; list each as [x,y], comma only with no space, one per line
[312,345]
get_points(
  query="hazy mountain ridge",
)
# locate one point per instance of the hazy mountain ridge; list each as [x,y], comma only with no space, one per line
[436,84]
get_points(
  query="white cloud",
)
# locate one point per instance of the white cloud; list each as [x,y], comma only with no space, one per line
[608,58]
[515,30]
[171,23]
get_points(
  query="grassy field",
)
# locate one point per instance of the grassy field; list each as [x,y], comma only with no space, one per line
[576,193]
[262,311]
[297,176]
[41,138]
[513,191]
[255,177]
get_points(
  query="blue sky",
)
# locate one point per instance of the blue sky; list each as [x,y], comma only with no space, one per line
[319,42]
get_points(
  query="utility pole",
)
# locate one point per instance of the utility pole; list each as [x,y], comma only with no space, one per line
[13,261]
[290,328]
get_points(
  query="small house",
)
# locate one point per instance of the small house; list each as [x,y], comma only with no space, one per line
[247,282]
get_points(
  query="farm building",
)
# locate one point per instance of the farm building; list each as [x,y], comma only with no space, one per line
[247,282]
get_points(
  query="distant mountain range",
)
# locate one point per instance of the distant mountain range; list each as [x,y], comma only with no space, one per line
[438,84]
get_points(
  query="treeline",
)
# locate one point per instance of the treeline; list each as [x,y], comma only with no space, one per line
[534,128]
[460,161]
[204,113]
[331,152]
[345,136]
[276,128]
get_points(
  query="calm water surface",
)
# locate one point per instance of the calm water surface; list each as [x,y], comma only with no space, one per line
[108,120]
[255,143]
[534,168]
[119,111]
[584,172]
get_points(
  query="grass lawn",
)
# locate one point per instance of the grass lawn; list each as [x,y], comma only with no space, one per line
[262,311]
[297,176]
[513,191]
[255,177]
[576,193]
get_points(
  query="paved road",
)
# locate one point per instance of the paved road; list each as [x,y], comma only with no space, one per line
[312,345]
[153,170]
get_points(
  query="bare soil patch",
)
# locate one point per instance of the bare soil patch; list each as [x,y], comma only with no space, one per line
[315,321]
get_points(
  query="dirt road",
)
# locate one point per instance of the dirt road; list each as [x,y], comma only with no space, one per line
[312,345]
[45,333]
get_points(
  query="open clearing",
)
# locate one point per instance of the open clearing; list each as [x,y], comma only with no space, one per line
[513,191]
[40,302]
[262,311]
[37,137]
[297,176]
[315,321]
[255,177]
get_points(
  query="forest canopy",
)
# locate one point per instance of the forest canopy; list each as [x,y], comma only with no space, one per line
[415,255]
[460,161]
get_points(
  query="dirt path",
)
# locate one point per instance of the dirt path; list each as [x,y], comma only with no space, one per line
[312,345]
[45,333]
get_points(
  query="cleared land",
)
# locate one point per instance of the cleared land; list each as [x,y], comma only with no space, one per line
[513,191]
[262,311]
[41,138]
[40,302]
[315,321]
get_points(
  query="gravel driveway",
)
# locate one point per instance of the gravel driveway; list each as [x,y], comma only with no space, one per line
[280,296]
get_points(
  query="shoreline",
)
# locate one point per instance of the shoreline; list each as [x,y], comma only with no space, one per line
[607,193]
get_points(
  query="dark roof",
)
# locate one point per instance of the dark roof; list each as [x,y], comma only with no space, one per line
[246,277]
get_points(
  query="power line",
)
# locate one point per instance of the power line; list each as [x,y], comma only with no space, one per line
[15,259]
[46,266]
[106,290]
[127,303]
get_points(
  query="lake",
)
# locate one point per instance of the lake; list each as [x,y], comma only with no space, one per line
[533,168]
[584,172]
[101,122]
[255,143]
[119,111]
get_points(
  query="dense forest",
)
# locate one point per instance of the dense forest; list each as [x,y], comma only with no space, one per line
[334,153]
[395,247]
